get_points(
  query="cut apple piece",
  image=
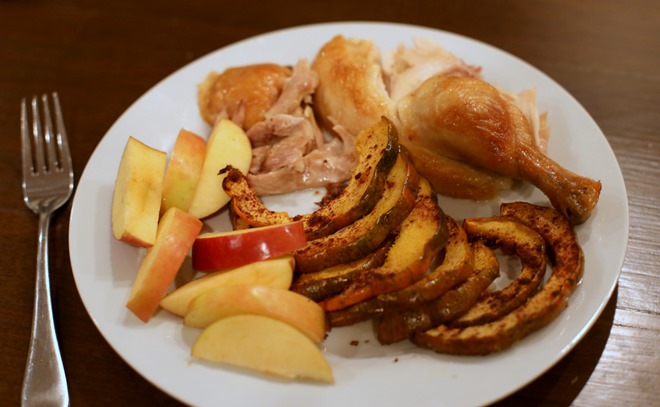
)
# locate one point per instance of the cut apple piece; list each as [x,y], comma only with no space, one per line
[263,344]
[137,194]
[276,272]
[183,171]
[176,233]
[227,145]
[279,303]
[213,251]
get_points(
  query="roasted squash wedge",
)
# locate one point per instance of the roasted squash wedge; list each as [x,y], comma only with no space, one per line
[528,245]
[377,150]
[399,325]
[369,232]
[237,223]
[325,283]
[540,309]
[455,268]
[245,202]
[422,235]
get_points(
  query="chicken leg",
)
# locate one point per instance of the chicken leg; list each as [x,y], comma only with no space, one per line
[467,120]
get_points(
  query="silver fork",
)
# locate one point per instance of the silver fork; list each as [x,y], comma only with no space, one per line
[47,185]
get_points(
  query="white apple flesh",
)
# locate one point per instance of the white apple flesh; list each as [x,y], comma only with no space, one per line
[263,344]
[276,272]
[183,171]
[284,305]
[137,194]
[227,145]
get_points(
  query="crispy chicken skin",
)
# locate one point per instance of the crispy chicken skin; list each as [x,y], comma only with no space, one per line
[455,178]
[243,94]
[464,119]
[467,119]
[351,91]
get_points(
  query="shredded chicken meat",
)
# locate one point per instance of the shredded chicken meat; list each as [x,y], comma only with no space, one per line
[290,152]
[407,67]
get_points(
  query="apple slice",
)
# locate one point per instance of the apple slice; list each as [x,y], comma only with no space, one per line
[263,344]
[276,272]
[137,194]
[176,233]
[227,145]
[183,171]
[279,303]
[213,251]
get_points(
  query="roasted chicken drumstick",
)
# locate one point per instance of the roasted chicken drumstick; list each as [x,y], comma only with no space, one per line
[467,137]
[468,120]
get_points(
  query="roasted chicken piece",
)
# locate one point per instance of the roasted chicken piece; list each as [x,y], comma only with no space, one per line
[407,67]
[351,92]
[242,94]
[468,120]
[467,137]
[272,104]
[357,86]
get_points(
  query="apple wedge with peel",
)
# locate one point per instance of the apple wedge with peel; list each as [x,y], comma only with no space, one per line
[227,145]
[213,251]
[265,345]
[276,272]
[137,194]
[176,233]
[278,303]
[183,171]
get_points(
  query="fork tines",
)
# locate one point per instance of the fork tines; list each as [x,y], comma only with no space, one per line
[43,149]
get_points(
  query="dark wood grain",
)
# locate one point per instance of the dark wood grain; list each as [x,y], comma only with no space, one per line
[101,56]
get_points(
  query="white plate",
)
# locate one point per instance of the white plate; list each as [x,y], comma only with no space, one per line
[367,374]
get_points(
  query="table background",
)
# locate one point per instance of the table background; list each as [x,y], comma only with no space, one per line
[101,56]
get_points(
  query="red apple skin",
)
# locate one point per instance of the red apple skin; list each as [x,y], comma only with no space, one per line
[177,231]
[215,251]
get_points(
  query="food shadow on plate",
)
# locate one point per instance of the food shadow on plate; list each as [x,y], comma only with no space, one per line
[124,259]
[359,341]
[253,374]
[460,209]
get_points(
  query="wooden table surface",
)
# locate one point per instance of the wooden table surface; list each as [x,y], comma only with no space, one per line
[101,56]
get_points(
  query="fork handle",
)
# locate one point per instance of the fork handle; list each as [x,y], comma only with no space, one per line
[44,382]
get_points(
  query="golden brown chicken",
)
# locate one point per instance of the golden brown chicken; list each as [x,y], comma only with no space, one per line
[357,87]
[352,93]
[467,137]
[468,120]
[243,94]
